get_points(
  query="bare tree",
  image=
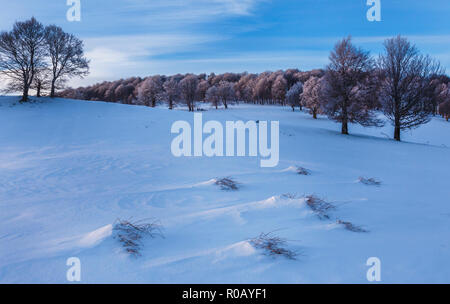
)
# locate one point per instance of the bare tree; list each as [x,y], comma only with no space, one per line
[41,81]
[225,91]
[349,88]
[66,55]
[407,92]
[171,91]
[311,96]
[189,89]
[22,53]
[293,95]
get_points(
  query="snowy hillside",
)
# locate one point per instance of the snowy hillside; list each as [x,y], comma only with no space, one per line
[69,169]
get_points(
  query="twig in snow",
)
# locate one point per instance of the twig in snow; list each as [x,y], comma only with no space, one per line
[130,234]
[273,245]
[227,183]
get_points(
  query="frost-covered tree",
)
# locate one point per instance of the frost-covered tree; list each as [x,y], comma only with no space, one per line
[291,76]
[349,88]
[279,89]
[244,87]
[202,87]
[407,92]
[311,96]
[66,56]
[443,93]
[123,93]
[263,88]
[444,109]
[150,90]
[188,88]
[293,95]
[212,96]
[22,54]
[225,91]
[171,91]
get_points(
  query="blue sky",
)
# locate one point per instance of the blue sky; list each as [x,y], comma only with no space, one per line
[126,38]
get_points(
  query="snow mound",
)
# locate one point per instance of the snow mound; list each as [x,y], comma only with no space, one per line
[95,237]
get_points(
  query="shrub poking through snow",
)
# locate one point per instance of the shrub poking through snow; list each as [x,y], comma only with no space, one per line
[272,245]
[289,196]
[369,181]
[130,234]
[227,183]
[319,206]
[349,226]
[303,171]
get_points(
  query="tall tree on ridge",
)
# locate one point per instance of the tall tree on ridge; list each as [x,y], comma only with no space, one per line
[349,86]
[408,93]
[66,55]
[22,54]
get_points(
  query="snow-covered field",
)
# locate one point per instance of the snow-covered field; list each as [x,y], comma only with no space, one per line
[69,169]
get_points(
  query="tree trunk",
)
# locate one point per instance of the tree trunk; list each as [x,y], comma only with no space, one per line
[52,91]
[397,133]
[344,123]
[153,102]
[397,127]
[315,114]
[38,90]
[170,104]
[344,128]
[25,94]
[344,118]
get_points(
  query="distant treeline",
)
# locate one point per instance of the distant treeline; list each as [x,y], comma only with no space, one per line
[405,85]
[264,88]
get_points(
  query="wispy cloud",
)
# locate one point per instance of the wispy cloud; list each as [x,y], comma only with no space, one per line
[114,57]
[203,7]
[173,14]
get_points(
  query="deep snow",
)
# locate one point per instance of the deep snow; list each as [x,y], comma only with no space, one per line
[69,169]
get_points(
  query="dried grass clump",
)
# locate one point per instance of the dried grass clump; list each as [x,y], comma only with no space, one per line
[303,171]
[130,234]
[273,246]
[369,181]
[227,183]
[320,207]
[349,226]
